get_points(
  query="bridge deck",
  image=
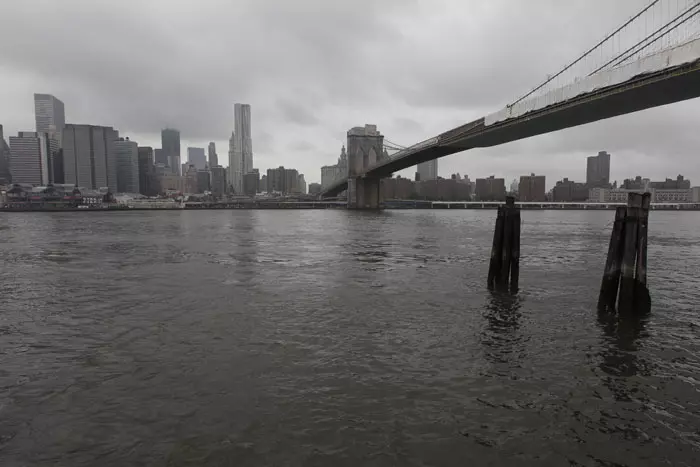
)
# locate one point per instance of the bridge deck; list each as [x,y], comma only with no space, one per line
[644,91]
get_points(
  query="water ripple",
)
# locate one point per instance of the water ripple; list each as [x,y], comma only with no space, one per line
[330,337]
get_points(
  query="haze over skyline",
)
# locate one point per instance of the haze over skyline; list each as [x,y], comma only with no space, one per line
[312,69]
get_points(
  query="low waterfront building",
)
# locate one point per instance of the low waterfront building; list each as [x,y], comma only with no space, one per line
[620,195]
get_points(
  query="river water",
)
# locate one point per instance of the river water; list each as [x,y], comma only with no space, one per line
[317,338]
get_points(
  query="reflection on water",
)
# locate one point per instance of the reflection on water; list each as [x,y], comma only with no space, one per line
[502,338]
[620,354]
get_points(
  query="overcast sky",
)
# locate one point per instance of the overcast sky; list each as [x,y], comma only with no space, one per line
[311,69]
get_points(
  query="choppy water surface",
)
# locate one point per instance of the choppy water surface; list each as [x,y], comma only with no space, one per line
[317,338]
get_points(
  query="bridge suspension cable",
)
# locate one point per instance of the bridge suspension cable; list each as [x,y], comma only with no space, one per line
[588,52]
[656,27]
[689,14]
[391,145]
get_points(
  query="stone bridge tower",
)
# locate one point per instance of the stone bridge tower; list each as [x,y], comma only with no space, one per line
[365,149]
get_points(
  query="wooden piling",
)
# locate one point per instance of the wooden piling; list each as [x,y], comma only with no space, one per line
[495,265]
[611,275]
[642,300]
[626,265]
[625,304]
[505,252]
[641,266]
[515,252]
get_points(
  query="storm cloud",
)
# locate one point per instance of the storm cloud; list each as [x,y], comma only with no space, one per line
[311,69]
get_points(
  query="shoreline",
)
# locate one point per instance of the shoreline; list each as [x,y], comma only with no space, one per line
[323,206]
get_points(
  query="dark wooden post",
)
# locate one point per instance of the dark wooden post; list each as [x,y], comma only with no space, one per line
[642,300]
[506,251]
[641,267]
[611,275]
[625,303]
[495,264]
[515,252]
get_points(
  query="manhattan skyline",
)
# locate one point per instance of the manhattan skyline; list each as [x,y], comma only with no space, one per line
[304,106]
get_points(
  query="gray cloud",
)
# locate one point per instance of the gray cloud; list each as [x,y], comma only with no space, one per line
[302,146]
[295,113]
[311,69]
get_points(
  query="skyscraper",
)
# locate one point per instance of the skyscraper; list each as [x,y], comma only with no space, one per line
[428,170]
[240,147]
[127,156]
[147,185]
[50,118]
[5,176]
[159,157]
[251,183]
[196,157]
[234,166]
[170,142]
[275,180]
[29,158]
[598,170]
[88,156]
[213,157]
[218,181]
[203,181]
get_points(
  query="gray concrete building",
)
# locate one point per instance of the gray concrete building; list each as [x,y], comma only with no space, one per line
[159,157]
[428,170]
[127,155]
[314,188]
[569,191]
[5,175]
[213,156]
[29,158]
[532,188]
[147,175]
[598,170]
[218,181]
[291,178]
[170,143]
[88,156]
[251,183]
[490,189]
[50,118]
[203,181]
[275,180]
[196,157]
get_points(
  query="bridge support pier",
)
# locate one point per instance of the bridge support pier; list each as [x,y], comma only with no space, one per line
[626,264]
[365,193]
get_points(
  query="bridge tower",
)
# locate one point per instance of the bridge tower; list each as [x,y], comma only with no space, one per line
[365,149]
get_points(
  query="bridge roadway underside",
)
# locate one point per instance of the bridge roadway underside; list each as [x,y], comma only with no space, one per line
[640,93]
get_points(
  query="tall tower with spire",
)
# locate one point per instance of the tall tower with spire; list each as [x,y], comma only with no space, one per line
[342,163]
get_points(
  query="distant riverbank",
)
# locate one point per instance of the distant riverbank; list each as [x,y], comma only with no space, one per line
[335,205]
